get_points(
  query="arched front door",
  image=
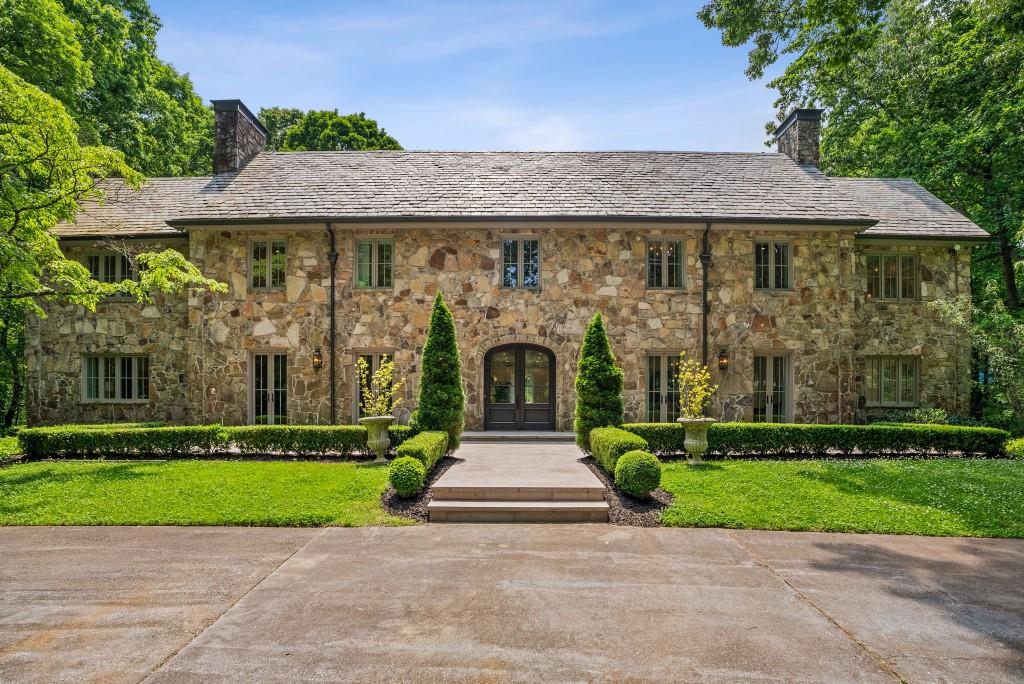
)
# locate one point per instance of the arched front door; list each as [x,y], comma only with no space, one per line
[519,388]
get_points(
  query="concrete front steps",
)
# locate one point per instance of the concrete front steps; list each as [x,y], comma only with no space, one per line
[523,482]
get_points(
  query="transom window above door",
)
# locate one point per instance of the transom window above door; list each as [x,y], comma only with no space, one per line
[374,263]
[665,264]
[772,265]
[892,277]
[520,263]
[268,264]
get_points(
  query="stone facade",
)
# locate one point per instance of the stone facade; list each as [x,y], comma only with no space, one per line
[201,349]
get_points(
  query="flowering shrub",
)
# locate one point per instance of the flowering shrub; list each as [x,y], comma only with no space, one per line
[695,388]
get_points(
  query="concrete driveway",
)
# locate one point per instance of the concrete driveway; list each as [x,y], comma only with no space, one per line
[505,603]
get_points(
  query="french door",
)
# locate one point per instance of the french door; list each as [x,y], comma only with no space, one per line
[269,384]
[662,388]
[519,388]
[771,388]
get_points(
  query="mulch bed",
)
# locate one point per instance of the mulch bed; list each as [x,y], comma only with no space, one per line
[625,510]
[416,507]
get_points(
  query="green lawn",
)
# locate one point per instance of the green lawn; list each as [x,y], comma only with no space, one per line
[193,493]
[978,498]
[8,447]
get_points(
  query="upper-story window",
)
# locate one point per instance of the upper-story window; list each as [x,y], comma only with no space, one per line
[115,378]
[109,268]
[374,263]
[520,263]
[665,264]
[892,277]
[772,265]
[268,264]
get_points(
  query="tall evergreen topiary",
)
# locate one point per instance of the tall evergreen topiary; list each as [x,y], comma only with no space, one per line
[598,384]
[441,399]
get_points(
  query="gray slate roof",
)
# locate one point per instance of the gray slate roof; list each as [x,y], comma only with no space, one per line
[299,186]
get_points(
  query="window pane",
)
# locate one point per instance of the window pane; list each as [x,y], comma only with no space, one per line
[537,378]
[259,264]
[364,263]
[888,381]
[92,377]
[93,264]
[762,266]
[503,377]
[874,277]
[384,263]
[109,377]
[674,263]
[908,381]
[672,388]
[127,377]
[126,269]
[531,263]
[781,265]
[280,389]
[653,389]
[655,260]
[889,279]
[760,389]
[908,277]
[109,272]
[260,390]
[780,386]
[278,263]
[510,263]
[142,368]
[871,381]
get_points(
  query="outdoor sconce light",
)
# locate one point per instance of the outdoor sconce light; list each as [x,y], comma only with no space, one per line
[723,360]
[318,358]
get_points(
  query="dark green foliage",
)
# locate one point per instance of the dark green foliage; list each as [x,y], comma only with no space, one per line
[328,130]
[598,384]
[766,439]
[342,440]
[407,476]
[638,473]
[441,400]
[277,120]
[608,444]
[427,447]
[73,441]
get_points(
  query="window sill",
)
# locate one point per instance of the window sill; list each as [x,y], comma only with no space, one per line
[892,301]
[388,288]
[892,406]
[137,402]
[265,290]
[774,290]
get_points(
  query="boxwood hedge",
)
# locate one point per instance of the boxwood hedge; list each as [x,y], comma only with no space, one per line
[425,449]
[607,444]
[768,439]
[638,473]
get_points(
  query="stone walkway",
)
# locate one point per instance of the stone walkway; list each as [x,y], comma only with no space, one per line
[504,481]
[504,603]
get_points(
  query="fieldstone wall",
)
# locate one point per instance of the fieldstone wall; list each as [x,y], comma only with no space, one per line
[822,323]
[56,344]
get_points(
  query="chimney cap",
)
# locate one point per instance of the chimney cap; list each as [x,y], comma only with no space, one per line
[799,114]
[239,106]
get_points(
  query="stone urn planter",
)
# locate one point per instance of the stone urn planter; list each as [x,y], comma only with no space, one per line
[696,442]
[377,435]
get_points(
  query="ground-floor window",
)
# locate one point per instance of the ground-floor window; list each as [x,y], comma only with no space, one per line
[115,378]
[373,360]
[891,381]
[771,388]
[269,383]
[662,388]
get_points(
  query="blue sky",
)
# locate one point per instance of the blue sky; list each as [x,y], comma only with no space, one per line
[575,75]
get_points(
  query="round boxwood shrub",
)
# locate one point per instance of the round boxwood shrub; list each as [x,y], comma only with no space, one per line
[638,473]
[407,476]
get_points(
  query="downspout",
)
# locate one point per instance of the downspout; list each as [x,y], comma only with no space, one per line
[705,308]
[332,258]
[956,349]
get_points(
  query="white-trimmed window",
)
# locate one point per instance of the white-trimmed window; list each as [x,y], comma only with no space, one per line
[373,361]
[772,265]
[109,268]
[892,277]
[891,381]
[374,263]
[115,378]
[520,263]
[664,264]
[268,264]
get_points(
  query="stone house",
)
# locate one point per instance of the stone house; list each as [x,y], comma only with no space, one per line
[807,294]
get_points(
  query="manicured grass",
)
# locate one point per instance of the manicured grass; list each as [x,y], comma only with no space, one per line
[9,447]
[193,493]
[942,497]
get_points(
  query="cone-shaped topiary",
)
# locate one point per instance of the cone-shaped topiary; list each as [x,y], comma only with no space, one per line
[441,401]
[598,384]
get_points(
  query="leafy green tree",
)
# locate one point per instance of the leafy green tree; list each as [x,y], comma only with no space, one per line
[598,384]
[277,120]
[441,400]
[44,174]
[932,91]
[328,130]
[12,363]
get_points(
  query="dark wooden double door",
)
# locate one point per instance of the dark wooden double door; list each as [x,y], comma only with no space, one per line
[519,388]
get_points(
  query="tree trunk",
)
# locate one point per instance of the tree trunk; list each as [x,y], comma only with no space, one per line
[1009,276]
[14,406]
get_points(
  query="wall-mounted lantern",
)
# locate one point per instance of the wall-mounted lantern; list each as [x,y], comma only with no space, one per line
[723,360]
[318,359]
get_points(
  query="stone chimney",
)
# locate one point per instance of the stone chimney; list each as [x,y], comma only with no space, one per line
[238,136]
[799,136]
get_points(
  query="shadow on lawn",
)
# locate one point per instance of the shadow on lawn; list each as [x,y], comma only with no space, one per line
[953,487]
[52,474]
[975,584]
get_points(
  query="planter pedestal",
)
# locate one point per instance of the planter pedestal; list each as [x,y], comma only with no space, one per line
[696,442]
[377,439]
